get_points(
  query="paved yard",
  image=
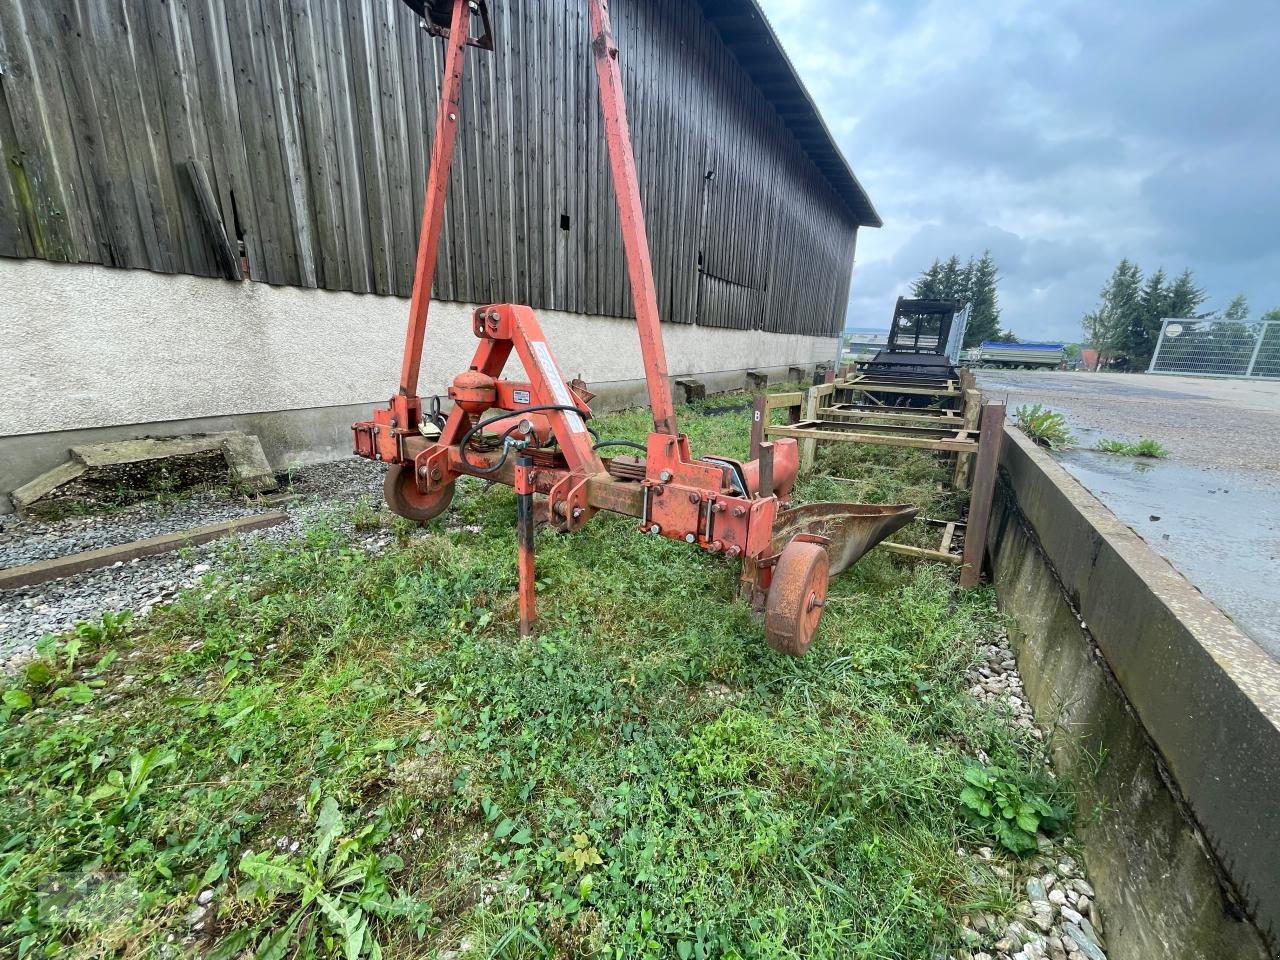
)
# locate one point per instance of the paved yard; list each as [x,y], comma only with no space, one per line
[1213,508]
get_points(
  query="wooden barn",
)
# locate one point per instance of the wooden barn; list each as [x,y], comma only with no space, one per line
[254,172]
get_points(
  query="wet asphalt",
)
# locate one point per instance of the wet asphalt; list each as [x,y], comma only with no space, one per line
[1212,509]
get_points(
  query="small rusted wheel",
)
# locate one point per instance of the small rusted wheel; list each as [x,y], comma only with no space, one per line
[406,500]
[796,596]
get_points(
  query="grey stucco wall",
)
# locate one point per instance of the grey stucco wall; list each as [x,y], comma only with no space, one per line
[1163,712]
[89,353]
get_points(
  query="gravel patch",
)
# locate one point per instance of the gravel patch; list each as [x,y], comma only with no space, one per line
[1056,916]
[28,613]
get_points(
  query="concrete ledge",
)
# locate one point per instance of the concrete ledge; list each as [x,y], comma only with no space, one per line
[1179,710]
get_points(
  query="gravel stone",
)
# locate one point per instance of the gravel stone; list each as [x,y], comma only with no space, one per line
[28,613]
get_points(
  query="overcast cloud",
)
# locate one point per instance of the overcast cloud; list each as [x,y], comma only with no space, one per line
[1062,136]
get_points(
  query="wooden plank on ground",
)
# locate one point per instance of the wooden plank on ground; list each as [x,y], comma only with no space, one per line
[30,574]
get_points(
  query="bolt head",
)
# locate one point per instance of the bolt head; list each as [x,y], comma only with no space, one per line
[435,474]
[655,529]
[739,511]
[665,476]
[422,470]
[694,498]
[689,538]
[577,512]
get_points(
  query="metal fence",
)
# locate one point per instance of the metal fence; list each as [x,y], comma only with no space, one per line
[1217,348]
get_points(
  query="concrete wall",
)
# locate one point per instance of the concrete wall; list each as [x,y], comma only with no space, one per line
[1164,714]
[89,354]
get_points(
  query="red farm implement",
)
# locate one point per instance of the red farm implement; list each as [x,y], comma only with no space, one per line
[535,435]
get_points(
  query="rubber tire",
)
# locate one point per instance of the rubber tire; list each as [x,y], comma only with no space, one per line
[796,594]
[405,500]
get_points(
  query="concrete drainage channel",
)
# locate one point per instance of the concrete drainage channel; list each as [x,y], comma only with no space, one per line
[1160,709]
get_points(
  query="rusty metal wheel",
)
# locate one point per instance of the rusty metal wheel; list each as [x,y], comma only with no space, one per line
[406,500]
[796,596]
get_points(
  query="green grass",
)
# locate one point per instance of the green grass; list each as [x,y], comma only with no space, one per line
[1142,448]
[1046,427]
[645,779]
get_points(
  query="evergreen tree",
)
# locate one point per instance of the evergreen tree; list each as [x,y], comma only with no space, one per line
[1237,311]
[984,303]
[1144,325]
[973,282]
[952,282]
[928,284]
[1108,327]
[1185,298]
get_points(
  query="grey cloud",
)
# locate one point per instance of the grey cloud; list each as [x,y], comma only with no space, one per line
[1060,135]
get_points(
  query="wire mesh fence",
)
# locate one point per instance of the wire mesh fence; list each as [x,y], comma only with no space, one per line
[1217,348]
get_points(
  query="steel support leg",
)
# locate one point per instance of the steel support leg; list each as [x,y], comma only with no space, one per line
[437,185]
[524,541]
[635,241]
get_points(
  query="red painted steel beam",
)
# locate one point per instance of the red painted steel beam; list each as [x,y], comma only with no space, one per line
[437,185]
[626,186]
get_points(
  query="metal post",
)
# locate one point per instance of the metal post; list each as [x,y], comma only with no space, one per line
[635,241]
[437,185]
[766,469]
[1257,347]
[1155,354]
[525,544]
[991,426]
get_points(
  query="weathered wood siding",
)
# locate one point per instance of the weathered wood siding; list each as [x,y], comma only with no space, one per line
[309,123]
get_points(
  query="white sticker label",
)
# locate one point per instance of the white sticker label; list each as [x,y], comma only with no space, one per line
[520,396]
[547,367]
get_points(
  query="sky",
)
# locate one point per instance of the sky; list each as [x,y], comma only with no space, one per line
[1060,135]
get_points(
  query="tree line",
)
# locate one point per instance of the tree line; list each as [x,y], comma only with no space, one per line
[1125,325]
[974,282]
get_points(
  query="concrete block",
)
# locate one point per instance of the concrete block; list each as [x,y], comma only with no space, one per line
[757,380]
[244,455]
[48,481]
[693,389]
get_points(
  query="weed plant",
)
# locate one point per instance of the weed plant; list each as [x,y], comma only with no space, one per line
[1046,427]
[1152,449]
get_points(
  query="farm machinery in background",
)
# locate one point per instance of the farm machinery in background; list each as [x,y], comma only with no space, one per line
[998,355]
[919,357]
[536,435]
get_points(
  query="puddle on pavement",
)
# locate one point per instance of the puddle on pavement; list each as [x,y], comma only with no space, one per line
[1220,528]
